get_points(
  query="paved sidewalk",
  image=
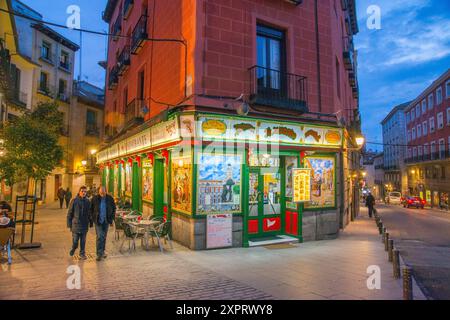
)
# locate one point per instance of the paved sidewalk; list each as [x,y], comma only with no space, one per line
[332,269]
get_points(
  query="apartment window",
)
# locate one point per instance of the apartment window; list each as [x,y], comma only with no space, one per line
[413,114]
[441,148]
[46,50]
[62,87]
[270,55]
[420,150]
[43,82]
[439,96]
[419,130]
[125,98]
[424,106]
[440,120]
[413,136]
[91,122]
[409,152]
[415,152]
[338,79]
[430,101]
[408,137]
[424,128]
[425,149]
[64,60]
[448,116]
[408,117]
[447,89]
[431,122]
[433,149]
[141,85]
[417,111]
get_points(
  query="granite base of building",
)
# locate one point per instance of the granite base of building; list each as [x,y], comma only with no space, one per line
[320,225]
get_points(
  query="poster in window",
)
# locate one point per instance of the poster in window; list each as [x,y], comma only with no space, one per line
[128,178]
[323,182]
[219,184]
[181,184]
[107,169]
[301,180]
[291,163]
[122,180]
[147,181]
[116,181]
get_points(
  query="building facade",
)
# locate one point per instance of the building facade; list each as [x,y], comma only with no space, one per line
[213,116]
[379,187]
[428,152]
[394,151]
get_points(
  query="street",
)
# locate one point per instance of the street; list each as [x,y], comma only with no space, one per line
[423,238]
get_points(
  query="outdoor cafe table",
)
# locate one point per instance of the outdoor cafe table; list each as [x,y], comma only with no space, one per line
[147,225]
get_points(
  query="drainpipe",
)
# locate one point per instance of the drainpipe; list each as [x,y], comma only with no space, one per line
[319,89]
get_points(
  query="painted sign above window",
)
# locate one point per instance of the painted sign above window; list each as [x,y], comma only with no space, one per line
[301,180]
[222,128]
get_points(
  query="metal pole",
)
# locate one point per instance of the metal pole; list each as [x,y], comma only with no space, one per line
[386,241]
[396,263]
[407,284]
[383,234]
[391,248]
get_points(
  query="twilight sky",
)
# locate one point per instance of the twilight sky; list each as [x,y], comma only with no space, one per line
[396,63]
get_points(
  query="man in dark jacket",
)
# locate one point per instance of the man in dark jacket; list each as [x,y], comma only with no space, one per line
[103,211]
[68,197]
[370,202]
[61,193]
[79,219]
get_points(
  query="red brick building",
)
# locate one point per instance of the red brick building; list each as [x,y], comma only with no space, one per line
[227,71]
[428,136]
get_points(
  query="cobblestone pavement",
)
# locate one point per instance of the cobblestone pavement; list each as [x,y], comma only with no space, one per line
[332,269]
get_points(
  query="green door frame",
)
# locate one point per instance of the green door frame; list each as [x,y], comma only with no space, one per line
[136,189]
[158,187]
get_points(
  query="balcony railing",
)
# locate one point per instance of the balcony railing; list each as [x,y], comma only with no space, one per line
[442,155]
[278,89]
[134,113]
[113,79]
[124,60]
[64,66]
[47,90]
[92,130]
[139,35]
[127,7]
[46,56]
[5,67]
[349,52]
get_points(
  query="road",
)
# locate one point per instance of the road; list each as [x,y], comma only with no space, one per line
[423,238]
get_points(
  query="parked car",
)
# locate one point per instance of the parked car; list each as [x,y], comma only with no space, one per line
[394,197]
[416,202]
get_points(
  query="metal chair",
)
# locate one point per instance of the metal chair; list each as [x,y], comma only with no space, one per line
[5,241]
[118,227]
[131,234]
[162,232]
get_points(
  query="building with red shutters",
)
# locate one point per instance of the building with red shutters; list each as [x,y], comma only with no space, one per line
[212,104]
[428,139]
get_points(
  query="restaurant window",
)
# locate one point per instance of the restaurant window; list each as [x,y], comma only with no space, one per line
[270,57]
[420,151]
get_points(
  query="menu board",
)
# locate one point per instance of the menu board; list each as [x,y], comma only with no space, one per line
[301,178]
[219,231]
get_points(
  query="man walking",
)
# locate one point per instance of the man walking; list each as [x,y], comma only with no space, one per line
[68,197]
[103,211]
[370,202]
[61,193]
[79,219]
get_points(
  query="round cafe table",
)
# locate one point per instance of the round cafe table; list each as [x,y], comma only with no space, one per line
[147,225]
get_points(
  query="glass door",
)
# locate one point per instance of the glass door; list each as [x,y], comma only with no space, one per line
[264,214]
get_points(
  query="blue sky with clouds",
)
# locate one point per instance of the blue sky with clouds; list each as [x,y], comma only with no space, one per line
[399,61]
[395,63]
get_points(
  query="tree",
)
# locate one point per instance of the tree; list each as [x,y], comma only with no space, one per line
[31,145]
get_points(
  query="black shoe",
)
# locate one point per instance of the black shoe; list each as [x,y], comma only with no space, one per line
[72,252]
[99,258]
[83,257]
[104,256]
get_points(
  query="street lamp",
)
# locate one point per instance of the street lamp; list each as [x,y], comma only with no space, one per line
[360,141]
[84,163]
[93,151]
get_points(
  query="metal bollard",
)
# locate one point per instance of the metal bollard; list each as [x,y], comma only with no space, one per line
[407,284]
[386,241]
[396,264]
[390,250]
[380,227]
[383,234]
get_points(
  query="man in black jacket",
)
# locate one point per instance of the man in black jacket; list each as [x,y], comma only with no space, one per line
[103,210]
[370,202]
[79,220]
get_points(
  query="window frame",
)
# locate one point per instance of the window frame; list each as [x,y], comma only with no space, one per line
[424,106]
[438,101]
[440,120]
[432,127]
[424,128]
[430,101]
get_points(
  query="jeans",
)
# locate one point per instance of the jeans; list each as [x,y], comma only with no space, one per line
[61,201]
[79,237]
[67,203]
[370,211]
[102,231]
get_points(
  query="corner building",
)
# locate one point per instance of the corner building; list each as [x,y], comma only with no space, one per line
[212,104]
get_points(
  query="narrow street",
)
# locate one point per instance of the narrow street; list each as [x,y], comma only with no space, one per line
[423,238]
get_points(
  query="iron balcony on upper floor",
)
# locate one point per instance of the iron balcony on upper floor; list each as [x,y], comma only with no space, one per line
[139,35]
[134,113]
[349,52]
[127,7]
[124,60]
[117,28]
[433,156]
[277,89]
[113,78]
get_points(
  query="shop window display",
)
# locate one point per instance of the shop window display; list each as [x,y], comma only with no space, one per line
[116,181]
[219,183]
[128,179]
[323,188]
[291,163]
[147,181]
[181,184]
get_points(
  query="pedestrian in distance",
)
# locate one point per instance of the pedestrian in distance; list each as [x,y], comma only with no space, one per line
[68,197]
[370,203]
[79,219]
[61,193]
[103,211]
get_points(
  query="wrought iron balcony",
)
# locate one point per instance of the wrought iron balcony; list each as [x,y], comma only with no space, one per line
[127,7]
[113,78]
[124,60]
[139,35]
[348,54]
[134,113]
[117,28]
[64,66]
[433,156]
[47,90]
[92,130]
[278,89]
[5,67]
[46,55]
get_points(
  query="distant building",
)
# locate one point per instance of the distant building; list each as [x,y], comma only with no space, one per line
[369,178]
[378,188]
[428,136]
[394,142]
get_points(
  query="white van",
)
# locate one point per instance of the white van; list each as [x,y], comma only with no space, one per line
[394,197]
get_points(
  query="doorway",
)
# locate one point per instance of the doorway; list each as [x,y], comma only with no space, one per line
[265,209]
[58,183]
